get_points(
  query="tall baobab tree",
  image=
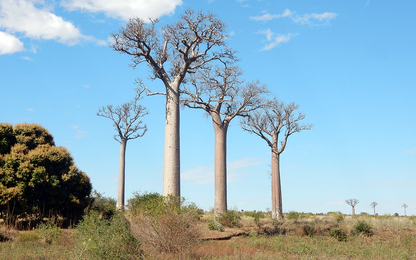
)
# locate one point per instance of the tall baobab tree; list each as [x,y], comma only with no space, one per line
[171,53]
[274,119]
[352,203]
[221,93]
[128,126]
[404,206]
[373,205]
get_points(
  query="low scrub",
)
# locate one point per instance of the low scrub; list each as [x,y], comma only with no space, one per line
[339,234]
[231,218]
[164,224]
[49,231]
[364,228]
[98,238]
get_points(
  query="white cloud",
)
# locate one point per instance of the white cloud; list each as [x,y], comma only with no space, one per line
[268,17]
[22,16]
[26,58]
[309,19]
[275,39]
[124,9]
[31,109]
[9,44]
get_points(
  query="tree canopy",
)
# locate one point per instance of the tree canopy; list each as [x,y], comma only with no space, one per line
[37,178]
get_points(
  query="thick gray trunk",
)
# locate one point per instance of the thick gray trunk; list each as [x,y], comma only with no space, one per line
[121,175]
[171,170]
[277,209]
[220,206]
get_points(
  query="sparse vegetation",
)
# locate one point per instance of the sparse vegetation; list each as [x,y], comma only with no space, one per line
[309,237]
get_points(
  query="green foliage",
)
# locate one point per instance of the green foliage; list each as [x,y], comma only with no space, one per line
[49,231]
[231,218]
[308,230]
[215,225]
[292,215]
[104,207]
[28,236]
[338,234]
[164,224]
[106,239]
[364,228]
[38,179]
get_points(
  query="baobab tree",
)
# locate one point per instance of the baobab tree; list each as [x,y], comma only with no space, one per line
[373,205]
[404,207]
[221,93]
[273,119]
[171,53]
[128,126]
[352,203]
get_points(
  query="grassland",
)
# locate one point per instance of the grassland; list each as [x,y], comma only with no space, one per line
[299,236]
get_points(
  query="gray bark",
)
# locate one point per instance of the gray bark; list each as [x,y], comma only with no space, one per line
[121,174]
[220,167]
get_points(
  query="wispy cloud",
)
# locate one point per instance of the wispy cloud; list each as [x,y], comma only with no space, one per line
[26,58]
[235,170]
[79,133]
[313,19]
[273,40]
[411,151]
[30,109]
[268,17]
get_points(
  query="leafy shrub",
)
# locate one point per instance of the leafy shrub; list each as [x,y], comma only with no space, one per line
[292,215]
[48,231]
[338,234]
[230,219]
[97,238]
[364,228]
[308,230]
[104,207]
[215,225]
[28,236]
[164,224]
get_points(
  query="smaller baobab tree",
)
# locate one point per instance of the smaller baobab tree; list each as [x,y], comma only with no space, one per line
[273,119]
[404,207]
[373,205]
[352,203]
[221,93]
[128,126]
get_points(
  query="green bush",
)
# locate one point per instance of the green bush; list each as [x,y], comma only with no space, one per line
[215,225]
[308,230]
[338,234]
[231,218]
[97,238]
[48,231]
[104,207]
[364,228]
[292,215]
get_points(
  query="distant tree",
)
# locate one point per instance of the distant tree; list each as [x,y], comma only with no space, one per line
[373,205]
[172,52]
[274,119]
[404,207]
[128,126]
[38,179]
[221,93]
[352,203]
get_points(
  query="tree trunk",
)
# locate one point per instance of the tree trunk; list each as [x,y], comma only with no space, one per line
[353,210]
[171,170]
[220,206]
[121,174]
[277,209]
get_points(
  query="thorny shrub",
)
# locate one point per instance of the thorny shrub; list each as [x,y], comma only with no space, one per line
[231,218]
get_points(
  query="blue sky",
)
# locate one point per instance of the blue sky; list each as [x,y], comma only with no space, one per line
[350,65]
